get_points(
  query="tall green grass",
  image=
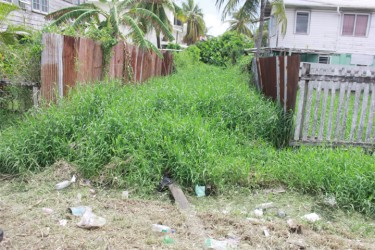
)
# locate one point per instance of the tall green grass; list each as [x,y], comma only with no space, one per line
[202,125]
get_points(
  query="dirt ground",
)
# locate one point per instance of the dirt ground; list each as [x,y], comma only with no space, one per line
[27,225]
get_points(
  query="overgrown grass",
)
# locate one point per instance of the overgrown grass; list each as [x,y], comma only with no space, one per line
[202,125]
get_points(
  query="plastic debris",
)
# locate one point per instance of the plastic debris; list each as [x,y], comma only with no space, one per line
[90,220]
[298,242]
[79,211]
[281,213]
[1,235]
[65,184]
[164,183]
[168,240]
[255,221]
[85,183]
[63,222]
[266,232]
[92,191]
[161,228]
[221,244]
[79,197]
[200,191]
[47,210]
[330,201]
[125,195]
[258,212]
[266,205]
[311,217]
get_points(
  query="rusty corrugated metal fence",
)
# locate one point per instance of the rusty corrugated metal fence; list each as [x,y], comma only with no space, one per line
[67,61]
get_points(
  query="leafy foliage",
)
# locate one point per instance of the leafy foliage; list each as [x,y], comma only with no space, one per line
[196,26]
[224,50]
[174,46]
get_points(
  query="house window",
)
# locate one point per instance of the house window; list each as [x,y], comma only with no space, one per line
[302,22]
[324,59]
[40,5]
[355,25]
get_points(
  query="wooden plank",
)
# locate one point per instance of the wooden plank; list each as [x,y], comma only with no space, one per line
[358,90]
[333,144]
[301,110]
[316,108]
[331,110]
[326,88]
[343,88]
[371,114]
[345,114]
[278,79]
[363,111]
[260,74]
[285,82]
[306,124]
[179,196]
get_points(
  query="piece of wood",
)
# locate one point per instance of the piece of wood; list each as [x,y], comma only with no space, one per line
[278,79]
[331,110]
[343,88]
[306,123]
[345,114]
[366,90]
[358,90]
[179,196]
[285,82]
[301,110]
[371,114]
[316,108]
[323,112]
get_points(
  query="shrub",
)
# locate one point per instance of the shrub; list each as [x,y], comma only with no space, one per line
[223,50]
[174,46]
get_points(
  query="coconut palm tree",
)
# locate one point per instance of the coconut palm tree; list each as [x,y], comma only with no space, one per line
[159,8]
[113,14]
[196,26]
[242,22]
[256,7]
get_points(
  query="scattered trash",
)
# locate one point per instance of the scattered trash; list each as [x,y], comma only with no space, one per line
[225,211]
[85,183]
[47,210]
[63,222]
[161,228]
[1,235]
[90,220]
[200,191]
[266,232]
[258,212]
[311,217]
[79,211]
[164,183]
[92,191]
[168,240]
[330,201]
[255,221]
[298,242]
[293,227]
[266,205]
[221,244]
[65,184]
[79,197]
[125,195]
[281,214]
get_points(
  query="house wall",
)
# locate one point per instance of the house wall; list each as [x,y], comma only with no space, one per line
[34,19]
[325,34]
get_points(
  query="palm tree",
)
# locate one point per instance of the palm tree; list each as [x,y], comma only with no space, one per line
[159,8]
[254,7]
[113,14]
[242,22]
[196,26]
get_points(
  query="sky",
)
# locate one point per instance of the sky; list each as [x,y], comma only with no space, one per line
[212,17]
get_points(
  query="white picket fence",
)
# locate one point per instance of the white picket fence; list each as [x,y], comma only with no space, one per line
[336,105]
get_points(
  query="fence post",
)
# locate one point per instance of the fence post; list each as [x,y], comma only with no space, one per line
[305,74]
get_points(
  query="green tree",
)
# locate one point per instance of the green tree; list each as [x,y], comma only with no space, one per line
[242,22]
[112,15]
[11,33]
[193,16]
[160,9]
[255,8]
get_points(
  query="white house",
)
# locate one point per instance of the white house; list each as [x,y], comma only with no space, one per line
[32,12]
[327,31]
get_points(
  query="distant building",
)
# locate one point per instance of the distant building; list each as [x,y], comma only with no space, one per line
[32,12]
[327,31]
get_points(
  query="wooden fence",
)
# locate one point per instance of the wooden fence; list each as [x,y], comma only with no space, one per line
[277,78]
[67,61]
[336,105]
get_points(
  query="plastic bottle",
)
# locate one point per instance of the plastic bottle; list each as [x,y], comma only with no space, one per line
[161,228]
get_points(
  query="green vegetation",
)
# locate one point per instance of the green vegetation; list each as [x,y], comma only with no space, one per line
[202,125]
[224,50]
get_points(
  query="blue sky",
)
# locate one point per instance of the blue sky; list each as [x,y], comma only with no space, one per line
[212,17]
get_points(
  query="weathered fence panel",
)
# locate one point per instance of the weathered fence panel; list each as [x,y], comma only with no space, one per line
[336,105]
[278,79]
[67,61]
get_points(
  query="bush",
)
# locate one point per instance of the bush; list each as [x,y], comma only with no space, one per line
[187,58]
[224,50]
[175,46]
